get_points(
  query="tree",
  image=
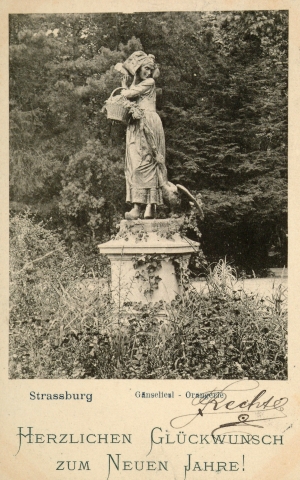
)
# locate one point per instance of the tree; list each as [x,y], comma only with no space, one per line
[224,109]
[93,189]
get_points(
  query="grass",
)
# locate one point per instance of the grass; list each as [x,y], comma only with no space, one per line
[60,327]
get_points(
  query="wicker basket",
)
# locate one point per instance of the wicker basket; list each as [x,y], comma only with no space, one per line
[116,111]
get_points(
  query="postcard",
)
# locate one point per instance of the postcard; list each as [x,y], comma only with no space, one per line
[150,310]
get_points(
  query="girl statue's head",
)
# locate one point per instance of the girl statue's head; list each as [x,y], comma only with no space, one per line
[140,59]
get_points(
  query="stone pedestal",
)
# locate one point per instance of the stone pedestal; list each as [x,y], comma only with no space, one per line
[144,256]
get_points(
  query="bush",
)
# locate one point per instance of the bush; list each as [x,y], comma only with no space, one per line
[63,325]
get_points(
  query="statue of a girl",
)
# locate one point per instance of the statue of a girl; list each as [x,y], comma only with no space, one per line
[145,169]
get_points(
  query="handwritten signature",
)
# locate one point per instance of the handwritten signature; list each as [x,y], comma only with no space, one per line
[260,404]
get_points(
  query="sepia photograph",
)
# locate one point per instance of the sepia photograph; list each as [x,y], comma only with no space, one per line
[148,195]
[149,240]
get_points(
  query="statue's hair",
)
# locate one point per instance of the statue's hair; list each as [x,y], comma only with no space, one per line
[155,72]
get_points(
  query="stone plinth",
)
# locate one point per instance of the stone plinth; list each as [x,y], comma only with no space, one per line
[143,258]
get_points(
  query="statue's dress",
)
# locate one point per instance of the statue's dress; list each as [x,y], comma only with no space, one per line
[145,169]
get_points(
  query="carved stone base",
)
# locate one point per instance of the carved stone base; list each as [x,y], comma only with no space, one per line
[144,256]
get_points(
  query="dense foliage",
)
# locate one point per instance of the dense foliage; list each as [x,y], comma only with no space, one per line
[223,105]
[64,326]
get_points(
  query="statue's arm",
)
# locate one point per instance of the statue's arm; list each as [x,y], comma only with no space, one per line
[140,89]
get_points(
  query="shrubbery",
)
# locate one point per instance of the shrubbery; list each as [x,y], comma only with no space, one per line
[64,326]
